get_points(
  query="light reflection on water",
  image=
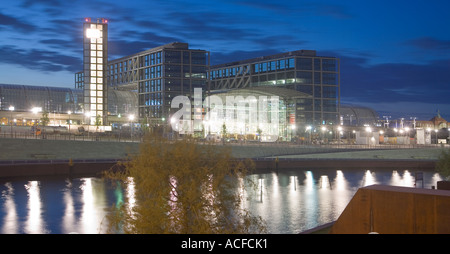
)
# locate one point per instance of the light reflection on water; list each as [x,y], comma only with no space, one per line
[289,201]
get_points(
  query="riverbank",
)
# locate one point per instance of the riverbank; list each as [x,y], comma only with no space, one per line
[36,157]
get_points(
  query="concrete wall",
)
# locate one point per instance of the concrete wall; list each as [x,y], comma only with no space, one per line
[395,210]
[31,149]
[35,149]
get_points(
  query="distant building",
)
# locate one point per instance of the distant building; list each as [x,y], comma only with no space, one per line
[28,102]
[435,123]
[353,115]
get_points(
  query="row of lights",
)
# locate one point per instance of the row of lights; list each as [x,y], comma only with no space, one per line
[36,110]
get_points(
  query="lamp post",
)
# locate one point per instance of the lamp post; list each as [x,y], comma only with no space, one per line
[293,127]
[339,133]
[324,129]
[308,128]
[69,113]
[88,115]
[11,108]
[131,118]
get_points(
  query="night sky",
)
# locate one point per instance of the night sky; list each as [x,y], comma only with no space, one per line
[395,55]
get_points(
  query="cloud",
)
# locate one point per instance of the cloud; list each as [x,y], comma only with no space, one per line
[304,9]
[429,43]
[36,59]
[12,23]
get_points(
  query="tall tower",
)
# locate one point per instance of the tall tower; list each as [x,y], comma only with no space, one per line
[95,58]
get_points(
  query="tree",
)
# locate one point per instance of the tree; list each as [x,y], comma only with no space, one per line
[98,121]
[259,131]
[224,132]
[443,164]
[183,187]
[44,119]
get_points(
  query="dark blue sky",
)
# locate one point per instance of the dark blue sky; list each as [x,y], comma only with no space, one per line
[395,55]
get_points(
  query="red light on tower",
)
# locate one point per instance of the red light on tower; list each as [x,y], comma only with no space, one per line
[87,19]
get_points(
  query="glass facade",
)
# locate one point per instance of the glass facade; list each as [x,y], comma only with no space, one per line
[61,100]
[263,112]
[158,75]
[51,99]
[300,70]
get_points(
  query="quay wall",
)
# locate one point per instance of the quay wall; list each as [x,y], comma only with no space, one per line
[29,157]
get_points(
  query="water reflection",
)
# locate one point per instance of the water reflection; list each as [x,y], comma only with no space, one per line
[289,201]
[368,179]
[34,223]
[10,220]
[68,219]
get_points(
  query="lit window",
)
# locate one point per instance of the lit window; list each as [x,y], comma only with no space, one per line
[93,73]
[93,93]
[93,100]
[99,67]
[100,100]
[100,53]
[93,107]
[93,59]
[100,60]
[100,80]
[93,40]
[99,106]
[92,86]
[99,47]
[99,87]
[93,47]
[93,80]
[100,73]
[100,40]
[93,67]
[99,93]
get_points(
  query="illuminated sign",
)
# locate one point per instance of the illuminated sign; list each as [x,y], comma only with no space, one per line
[93,33]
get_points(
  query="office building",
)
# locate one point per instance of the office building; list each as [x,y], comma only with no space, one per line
[302,71]
[158,75]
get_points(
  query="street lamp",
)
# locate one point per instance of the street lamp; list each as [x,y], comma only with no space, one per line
[339,128]
[11,108]
[308,128]
[69,113]
[323,128]
[131,118]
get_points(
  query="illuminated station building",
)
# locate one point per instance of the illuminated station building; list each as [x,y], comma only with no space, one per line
[142,86]
[308,87]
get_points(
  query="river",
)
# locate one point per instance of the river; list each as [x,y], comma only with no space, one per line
[290,201]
